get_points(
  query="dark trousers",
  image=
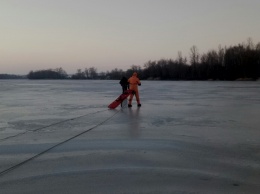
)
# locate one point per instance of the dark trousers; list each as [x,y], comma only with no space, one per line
[124,88]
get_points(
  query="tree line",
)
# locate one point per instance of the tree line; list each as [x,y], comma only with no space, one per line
[230,63]
[241,61]
[11,76]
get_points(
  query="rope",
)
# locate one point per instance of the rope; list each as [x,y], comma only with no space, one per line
[34,130]
[63,142]
[52,147]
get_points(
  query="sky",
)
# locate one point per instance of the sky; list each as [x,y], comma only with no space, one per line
[109,34]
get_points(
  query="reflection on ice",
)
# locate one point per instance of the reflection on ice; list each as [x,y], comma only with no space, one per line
[134,122]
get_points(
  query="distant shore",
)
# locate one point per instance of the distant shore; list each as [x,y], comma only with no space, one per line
[24,77]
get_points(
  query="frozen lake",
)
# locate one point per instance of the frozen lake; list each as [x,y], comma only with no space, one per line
[188,137]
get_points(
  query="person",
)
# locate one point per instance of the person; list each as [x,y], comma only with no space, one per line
[134,83]
[124,83]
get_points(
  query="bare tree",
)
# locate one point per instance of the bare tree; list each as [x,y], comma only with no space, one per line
[250,44]
[87,73]
[93,72]
[194,57]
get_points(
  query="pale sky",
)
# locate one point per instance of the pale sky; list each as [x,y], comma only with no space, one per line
[109,34]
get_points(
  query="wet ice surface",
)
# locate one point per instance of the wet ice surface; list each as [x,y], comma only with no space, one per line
[188,137]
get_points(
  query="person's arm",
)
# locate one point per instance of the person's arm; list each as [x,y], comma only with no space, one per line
[139,83]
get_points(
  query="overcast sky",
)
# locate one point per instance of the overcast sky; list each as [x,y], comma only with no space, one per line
[108,34]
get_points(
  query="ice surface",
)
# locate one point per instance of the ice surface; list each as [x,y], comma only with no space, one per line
[188,137]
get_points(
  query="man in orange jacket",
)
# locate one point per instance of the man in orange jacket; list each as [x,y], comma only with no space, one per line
[134,82]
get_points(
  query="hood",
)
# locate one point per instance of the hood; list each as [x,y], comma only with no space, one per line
[134,74]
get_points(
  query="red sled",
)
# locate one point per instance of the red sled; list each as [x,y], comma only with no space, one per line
[120,99]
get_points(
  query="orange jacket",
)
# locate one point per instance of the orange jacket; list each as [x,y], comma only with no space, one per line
[134,82]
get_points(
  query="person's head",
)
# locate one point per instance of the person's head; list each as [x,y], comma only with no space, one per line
[134,74]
